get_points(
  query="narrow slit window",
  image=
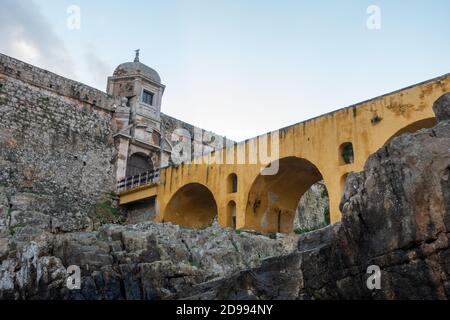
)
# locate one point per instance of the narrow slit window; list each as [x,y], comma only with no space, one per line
[232,183]
[346,153]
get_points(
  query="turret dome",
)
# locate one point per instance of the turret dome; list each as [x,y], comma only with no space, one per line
[137,68]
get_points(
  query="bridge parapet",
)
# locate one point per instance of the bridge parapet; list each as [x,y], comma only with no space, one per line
[137,181]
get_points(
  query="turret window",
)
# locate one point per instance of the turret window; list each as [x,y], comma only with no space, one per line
[147,97]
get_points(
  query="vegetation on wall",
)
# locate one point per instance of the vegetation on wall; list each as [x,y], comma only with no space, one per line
[306,230]
[106,212]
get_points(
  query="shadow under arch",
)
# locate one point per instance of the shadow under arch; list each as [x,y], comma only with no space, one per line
[193,205]
[273,199]
[413,127]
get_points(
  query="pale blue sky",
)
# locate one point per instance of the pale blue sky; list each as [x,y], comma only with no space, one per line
[240,68]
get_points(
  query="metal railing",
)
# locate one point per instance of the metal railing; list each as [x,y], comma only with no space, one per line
[143,179]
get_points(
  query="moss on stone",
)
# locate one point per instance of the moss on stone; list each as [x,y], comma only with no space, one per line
[105,212]
[113,194]
[234,244]
[13,229]
[44,101]
[272,236]
[326,215]
[324,193]
[306,230]
[8,213]
[196,264]
[3,100]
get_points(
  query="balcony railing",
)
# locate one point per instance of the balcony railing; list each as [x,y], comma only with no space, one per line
[143,179]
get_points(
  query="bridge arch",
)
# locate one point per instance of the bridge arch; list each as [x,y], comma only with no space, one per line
[413,127]
[193,205]
[273,199]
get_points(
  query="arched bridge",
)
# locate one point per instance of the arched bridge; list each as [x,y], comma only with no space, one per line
[241,193]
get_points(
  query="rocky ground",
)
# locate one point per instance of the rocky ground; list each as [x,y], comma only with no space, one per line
[142,261]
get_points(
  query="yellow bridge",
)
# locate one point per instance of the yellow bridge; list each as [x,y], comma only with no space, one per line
[244,190]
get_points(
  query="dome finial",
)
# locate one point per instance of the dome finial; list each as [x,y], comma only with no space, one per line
[136,59]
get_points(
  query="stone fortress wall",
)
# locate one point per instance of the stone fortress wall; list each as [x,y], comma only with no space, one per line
[58,152]
[57,149]
[202,141]
[51,82]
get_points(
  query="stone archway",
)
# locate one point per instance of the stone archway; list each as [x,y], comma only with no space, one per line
[193,205]
[273,199]
[138,163]
[413,127]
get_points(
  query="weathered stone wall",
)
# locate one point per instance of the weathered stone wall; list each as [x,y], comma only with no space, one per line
[57,151]
[54,83]
[202,140]
[141,211]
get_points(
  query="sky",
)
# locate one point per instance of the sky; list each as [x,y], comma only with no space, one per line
[239,68]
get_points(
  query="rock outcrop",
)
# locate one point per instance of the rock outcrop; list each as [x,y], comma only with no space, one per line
[142,261]
[442,108]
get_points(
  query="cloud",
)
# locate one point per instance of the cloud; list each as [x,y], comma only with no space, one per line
[26,35]
[97,69]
